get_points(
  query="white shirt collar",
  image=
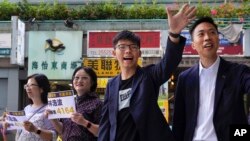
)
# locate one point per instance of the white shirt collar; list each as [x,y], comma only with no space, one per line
[214,66]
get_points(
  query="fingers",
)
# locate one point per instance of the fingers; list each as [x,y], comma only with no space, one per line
[5,125]
[76,114]
[29,126]
[188,11]
[77,118]
[184,8]
[47,112]
[169,13]
[191,12]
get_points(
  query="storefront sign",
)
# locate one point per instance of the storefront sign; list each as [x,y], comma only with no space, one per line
[17,41]
[4,51]
[104,67]
[54,53]
[102,82]
[5,43]
[100,43]
[225,48]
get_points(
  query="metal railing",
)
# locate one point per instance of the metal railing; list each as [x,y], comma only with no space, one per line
[130,24]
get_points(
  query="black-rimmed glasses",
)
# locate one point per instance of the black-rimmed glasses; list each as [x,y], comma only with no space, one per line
[123,47]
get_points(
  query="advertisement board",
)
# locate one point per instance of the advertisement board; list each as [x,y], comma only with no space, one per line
[5,44]
[104,67]
[54,53]
[100,43]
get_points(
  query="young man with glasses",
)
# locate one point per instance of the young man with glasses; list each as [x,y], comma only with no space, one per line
[131,111]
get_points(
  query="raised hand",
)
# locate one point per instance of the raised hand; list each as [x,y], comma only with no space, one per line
[181,19]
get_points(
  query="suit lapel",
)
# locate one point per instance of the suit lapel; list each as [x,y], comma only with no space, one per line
[220,81]
[196,89]
[114,98]
[136,81]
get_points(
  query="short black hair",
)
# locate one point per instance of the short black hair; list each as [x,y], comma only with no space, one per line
[92,75]
[202,20]
[127,35]
[42,82]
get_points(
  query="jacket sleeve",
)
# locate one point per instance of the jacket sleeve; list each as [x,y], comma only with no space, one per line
[104,126]
[179,112]
[246,79]
[173,54]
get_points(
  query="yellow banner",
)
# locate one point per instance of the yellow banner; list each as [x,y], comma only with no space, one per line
[105,67]
[102,82]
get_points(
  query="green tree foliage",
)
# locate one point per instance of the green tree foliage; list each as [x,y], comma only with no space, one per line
[114,9]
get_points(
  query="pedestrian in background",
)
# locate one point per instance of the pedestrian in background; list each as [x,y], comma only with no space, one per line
[131,111]
[209,95]
[83,125]
[37,127]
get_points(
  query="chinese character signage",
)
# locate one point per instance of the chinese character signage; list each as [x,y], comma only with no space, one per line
[15,119]
[105,67]
[54,53]
[61,104]
[102,82]
[225,47]
[100,43]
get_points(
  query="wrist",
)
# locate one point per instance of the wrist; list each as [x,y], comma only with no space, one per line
[174,35]
[54,120]
[88,125]
[38,131]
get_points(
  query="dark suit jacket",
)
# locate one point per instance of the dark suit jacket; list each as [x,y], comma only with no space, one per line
[233,80]
[149,120]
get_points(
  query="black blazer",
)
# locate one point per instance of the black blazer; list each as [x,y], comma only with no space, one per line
[148,118]
[233,80]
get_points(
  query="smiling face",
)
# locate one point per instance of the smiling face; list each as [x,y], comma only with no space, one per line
[82,82]
[128,55]
[206,40]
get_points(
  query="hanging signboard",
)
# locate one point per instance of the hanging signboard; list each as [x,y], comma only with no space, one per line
[105,67]
[54,53]
[17,41]
[100,43]
[5,44]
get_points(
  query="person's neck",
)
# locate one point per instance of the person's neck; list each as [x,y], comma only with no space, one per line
[81,93]
[207,62]
[37,103]
[127,73]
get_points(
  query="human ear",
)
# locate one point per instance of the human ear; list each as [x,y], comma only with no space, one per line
[193,46]
[114,53]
